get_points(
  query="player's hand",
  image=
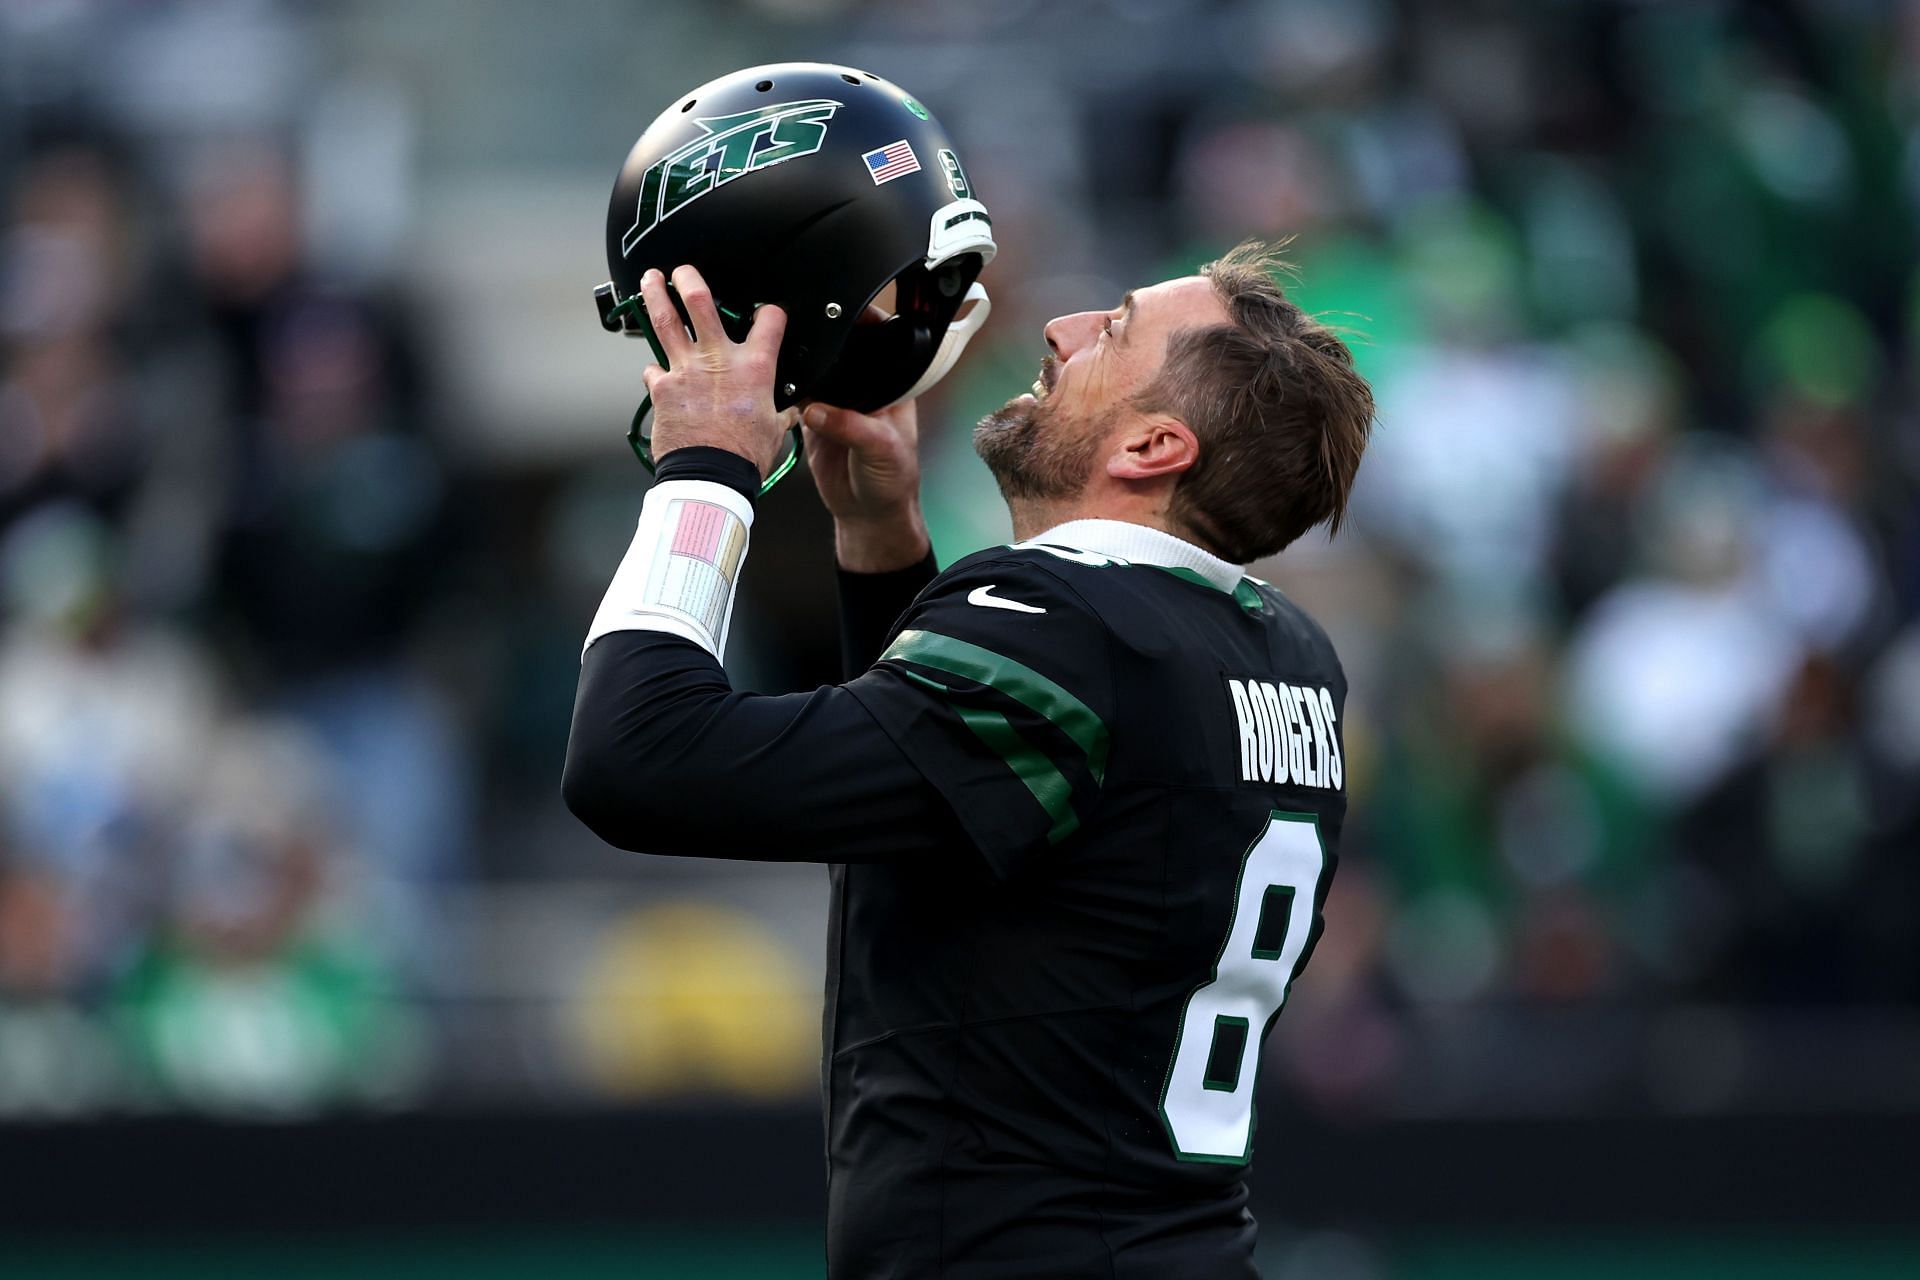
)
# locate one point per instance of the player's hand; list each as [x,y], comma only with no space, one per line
[867,468]
[713,391]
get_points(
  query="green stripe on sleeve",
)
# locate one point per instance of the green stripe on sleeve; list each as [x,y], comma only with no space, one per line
[1014,679]
[1030,765]
[1037,773]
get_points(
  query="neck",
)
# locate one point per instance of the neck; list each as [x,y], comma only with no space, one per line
[1032,517]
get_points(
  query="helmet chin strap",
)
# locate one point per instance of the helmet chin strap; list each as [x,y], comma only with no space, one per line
[975,307]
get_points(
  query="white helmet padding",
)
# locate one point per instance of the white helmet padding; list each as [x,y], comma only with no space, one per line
[973,313]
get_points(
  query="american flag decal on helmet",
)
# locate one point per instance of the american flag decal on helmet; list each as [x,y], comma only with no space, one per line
[895,160]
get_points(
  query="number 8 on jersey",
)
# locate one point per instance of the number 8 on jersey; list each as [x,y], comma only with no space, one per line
[1207,1101]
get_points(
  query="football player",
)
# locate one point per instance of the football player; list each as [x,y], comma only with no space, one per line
[1080,795]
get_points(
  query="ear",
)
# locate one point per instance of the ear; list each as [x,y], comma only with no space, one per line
[1158,446]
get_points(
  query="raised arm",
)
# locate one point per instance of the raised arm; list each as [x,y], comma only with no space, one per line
[867,469]
[665,756]
[870,604]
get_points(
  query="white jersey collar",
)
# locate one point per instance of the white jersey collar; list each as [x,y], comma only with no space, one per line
[1139,544]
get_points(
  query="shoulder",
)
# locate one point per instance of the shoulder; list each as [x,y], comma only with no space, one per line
[999,684]
[1013,582]
[1004,617]
[1296,628]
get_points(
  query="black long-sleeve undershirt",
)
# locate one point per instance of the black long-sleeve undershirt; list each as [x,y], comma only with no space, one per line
[870,603]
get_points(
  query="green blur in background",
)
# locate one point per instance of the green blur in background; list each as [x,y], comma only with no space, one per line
[311,474]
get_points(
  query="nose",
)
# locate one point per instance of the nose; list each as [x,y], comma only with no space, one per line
[1068,334]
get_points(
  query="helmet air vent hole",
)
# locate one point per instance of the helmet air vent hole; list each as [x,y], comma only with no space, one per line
[850,79]
[764,85]
[689,104]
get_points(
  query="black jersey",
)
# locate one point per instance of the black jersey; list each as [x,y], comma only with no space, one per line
[1047,1069]
[1083,815]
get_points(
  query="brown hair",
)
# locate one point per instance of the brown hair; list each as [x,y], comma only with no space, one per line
[1280,413]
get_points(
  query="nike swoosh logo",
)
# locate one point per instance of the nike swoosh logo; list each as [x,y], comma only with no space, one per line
[980,596]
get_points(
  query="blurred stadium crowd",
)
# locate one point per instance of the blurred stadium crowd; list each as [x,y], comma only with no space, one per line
[1630,605]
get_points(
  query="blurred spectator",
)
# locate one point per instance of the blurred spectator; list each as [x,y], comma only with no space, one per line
[104,718]
[1514,852]
[249,997]
[70,427]
[332,534]
[56,1057]
[1673,673]
[1478,427]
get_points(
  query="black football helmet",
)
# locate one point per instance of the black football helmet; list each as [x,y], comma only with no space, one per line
[813,187]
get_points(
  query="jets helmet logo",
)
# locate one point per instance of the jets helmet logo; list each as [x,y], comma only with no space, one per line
[728,147]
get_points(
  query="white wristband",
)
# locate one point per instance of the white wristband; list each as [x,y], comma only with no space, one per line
[680,570]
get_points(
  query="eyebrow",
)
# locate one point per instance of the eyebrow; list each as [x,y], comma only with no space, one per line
[1126,314]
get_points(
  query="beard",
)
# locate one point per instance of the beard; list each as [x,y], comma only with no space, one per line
[1035,448]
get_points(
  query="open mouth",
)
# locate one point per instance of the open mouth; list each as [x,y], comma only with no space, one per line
[1049,374]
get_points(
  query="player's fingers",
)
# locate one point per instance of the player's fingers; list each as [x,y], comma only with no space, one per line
[769,326]
[698,299]
[842,426]
[665,321]
[652,374]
